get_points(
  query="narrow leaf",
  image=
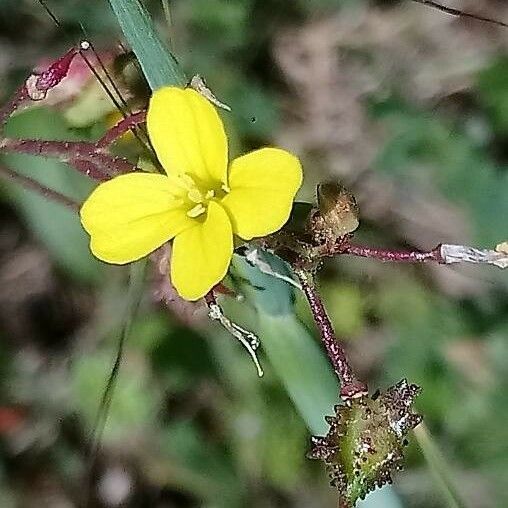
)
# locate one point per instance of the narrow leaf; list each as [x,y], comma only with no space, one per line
[159,65]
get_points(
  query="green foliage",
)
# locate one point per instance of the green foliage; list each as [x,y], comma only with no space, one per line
[295,356]
[57,228]
[134,402]
[492,92]
[346,307]
[438,156]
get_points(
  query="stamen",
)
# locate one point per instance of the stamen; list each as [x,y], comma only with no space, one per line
[210,194]
[196,211]
[225,187]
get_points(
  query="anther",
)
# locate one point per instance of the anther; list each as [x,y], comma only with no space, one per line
[196,211]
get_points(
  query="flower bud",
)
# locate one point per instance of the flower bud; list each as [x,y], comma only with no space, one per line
[337,215]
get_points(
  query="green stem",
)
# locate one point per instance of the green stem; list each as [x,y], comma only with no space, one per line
[134,296]
[439,468]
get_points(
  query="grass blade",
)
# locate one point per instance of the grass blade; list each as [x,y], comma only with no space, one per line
[157,62]
[439,468]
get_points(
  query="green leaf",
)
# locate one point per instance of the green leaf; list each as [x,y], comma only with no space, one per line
[293,352]
[302,367]
[159,65]
[295,355]
[271,295]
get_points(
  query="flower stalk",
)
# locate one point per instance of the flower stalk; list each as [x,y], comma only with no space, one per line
[389,255]
[351,387]
[128,123]
[444,254]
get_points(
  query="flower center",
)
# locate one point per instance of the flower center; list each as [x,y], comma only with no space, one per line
[195,194]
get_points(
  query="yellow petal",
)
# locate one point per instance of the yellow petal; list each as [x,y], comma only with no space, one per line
[263,185]
[201,255]
[132,215]
[187,134]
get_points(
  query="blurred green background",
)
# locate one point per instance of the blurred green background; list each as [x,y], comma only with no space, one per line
[406,106]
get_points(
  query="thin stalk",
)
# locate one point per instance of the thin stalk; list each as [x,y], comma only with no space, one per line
[84,156]
[134,296]
[8,109]
[443,254]
[351,387]
[397,256]
[439,468]
[460,14]
[169,22]
[124,125]
[31,184]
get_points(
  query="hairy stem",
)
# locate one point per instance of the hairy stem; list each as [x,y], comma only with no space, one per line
[350,386]
[397,256]
[444,254]
[126,124]
[84,156]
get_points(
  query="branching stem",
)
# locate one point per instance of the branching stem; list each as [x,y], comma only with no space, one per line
[86,157]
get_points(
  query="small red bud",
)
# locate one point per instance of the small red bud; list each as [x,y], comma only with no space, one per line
[38,84]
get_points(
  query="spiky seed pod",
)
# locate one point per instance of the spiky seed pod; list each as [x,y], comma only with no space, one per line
[364,445]
[337,213]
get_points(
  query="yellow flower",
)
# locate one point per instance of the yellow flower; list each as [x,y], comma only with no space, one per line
[200,201]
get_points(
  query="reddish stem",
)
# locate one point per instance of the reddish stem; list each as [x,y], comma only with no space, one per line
[82,155]
[124,125]
[210,298]
[351,387]
[397,256]
[12,105]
